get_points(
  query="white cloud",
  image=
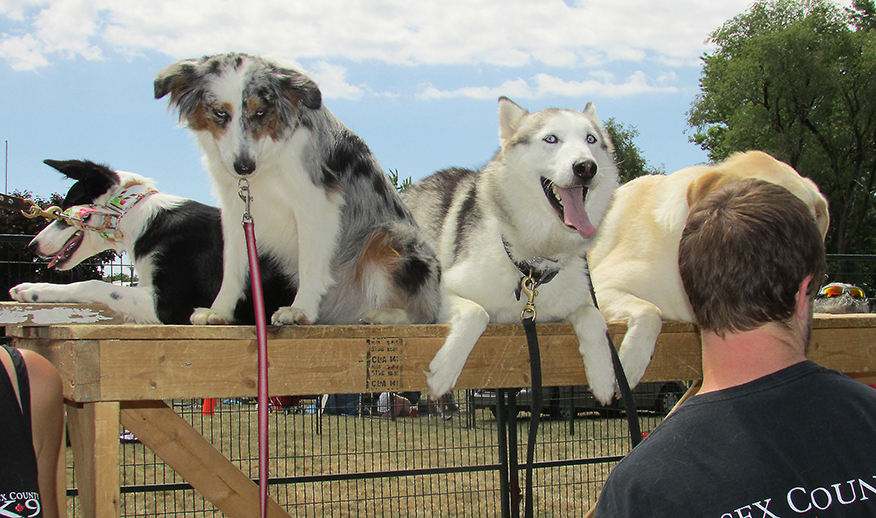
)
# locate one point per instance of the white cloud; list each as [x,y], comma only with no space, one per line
[510,33]
[602,84]
[21,52]
[332,81]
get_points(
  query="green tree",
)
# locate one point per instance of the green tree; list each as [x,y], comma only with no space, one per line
[628,157]
[394,179]
[795,78]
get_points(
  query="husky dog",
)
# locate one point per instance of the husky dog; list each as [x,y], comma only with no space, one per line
[534,208]
[635,260]
[174,243]
[324,210]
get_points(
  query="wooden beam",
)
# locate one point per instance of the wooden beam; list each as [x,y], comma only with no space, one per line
[182,448]
[126,363]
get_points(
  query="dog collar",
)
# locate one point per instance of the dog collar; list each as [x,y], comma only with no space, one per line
[105,219]
[541,269]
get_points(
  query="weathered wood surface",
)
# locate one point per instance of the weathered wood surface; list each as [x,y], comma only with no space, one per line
[135,362]
[18,313]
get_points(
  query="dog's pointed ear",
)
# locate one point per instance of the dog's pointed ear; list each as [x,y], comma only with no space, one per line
[59,165]
[590,112]
[510,117]
[99,175]
[707,183]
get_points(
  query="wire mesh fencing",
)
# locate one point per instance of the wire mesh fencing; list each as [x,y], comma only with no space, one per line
[417,458]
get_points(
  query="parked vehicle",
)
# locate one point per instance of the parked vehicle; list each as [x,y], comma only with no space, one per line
[565,402]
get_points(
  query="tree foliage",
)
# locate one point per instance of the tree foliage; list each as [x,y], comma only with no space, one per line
[628,157]
[399,184]
[795,78]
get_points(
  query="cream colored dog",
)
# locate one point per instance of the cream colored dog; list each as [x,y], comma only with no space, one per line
[634,263]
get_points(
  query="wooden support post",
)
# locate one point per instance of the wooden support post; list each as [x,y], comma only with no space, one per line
[94,435]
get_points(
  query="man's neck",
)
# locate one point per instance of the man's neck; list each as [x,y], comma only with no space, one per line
[739,358]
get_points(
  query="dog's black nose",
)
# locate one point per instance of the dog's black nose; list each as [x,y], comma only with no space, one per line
[585,170]
[244,166]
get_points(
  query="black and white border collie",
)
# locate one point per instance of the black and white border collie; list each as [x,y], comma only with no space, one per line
[175,245]
[323,208]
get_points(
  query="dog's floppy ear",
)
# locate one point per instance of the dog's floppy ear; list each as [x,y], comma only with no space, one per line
[175,78]
[299,89]
[510,117]
[179,81]
[707,183]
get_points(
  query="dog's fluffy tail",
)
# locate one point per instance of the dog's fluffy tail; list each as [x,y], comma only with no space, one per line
[398,270]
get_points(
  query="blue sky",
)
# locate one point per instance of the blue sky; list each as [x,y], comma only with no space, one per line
[419,81]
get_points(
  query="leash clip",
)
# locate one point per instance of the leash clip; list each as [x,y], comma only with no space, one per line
[243,192]
[34,211]
[527,285]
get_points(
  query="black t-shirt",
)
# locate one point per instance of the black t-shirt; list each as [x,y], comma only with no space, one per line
[19,485]
[797,443]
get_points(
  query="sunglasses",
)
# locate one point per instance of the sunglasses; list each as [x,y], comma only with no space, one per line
[837,291]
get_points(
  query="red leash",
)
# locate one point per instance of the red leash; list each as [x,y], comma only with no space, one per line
[262,340]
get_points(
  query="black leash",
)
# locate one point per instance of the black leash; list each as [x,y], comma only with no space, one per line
[620,375]
[528,286]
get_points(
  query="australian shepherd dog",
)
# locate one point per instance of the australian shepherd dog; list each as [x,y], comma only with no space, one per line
[324,210]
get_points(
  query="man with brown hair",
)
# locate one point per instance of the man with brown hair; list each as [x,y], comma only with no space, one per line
[770,434]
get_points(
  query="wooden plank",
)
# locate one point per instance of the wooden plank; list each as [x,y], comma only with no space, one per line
[182,448]
[182,332]
[851,350]
[164,362]
[43,314]
[167,369]
[94,435]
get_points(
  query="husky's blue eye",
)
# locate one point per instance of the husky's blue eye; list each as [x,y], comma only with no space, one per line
[591,139]
[551,139]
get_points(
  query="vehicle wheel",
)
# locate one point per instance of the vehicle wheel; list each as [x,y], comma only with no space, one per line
[667,401]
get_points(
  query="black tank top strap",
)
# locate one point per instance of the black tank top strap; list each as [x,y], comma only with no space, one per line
[19,482]
[23,381]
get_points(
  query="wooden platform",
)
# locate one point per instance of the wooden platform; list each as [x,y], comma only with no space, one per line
[116,373]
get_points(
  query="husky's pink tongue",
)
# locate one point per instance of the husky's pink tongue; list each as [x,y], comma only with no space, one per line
[573,209]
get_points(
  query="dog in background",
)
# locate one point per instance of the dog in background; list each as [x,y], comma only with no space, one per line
[535,208]
[175,245]
[324,210]
[840,298]
[635,261]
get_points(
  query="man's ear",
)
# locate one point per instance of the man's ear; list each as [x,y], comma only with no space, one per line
[803,302]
